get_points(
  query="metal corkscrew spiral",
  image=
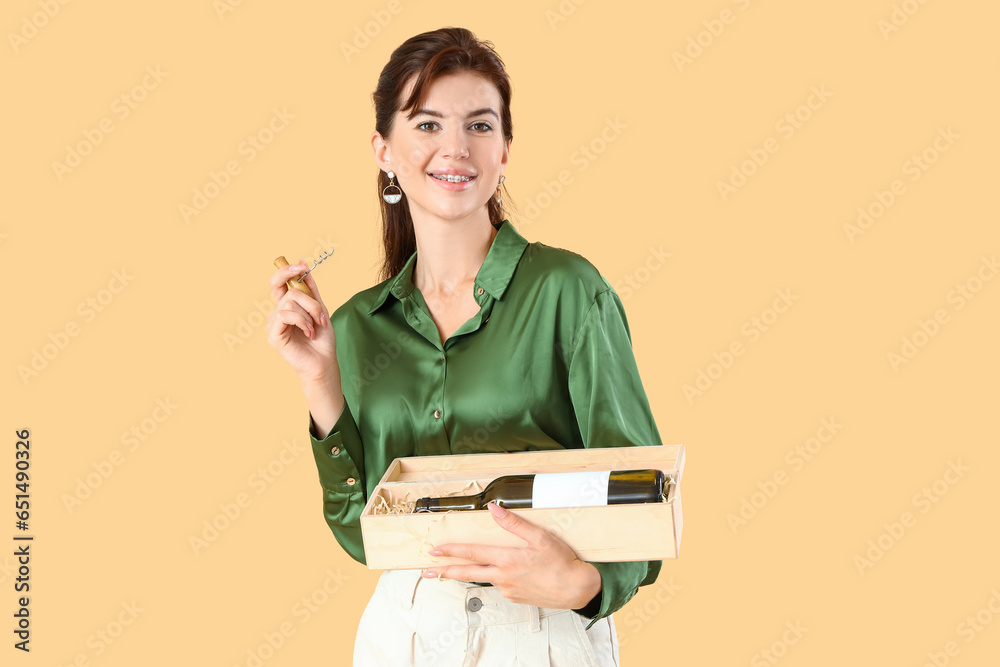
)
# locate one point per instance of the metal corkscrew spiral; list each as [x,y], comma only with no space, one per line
[297,283]
[322,256]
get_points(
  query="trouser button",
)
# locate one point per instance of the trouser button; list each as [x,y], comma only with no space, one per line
[475,604]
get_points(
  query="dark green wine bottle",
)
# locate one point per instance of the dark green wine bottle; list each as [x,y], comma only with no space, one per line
[558,489]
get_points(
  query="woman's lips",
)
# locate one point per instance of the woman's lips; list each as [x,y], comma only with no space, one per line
[454,187]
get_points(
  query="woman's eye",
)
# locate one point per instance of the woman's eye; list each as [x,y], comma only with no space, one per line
[486,127]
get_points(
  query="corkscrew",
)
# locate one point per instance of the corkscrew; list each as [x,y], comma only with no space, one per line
[297,283]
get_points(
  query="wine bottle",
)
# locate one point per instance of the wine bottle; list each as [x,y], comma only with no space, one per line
[558,489]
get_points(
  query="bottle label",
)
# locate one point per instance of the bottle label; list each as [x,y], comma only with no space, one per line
[570,489]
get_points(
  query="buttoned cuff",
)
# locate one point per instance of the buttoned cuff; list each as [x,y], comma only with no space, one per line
[342,481]
[336,462]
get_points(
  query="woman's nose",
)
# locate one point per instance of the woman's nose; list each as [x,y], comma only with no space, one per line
[454,144]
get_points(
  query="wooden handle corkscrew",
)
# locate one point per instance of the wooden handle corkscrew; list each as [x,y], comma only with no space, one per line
[292,283]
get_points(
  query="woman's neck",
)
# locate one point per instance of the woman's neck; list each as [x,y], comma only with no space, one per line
[450,252]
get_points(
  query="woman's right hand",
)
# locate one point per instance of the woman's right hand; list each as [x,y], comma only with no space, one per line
[300,328]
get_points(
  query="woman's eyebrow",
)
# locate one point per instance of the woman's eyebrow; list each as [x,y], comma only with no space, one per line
[478,112]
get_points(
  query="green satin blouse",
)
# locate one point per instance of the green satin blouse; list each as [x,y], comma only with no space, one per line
[547,363]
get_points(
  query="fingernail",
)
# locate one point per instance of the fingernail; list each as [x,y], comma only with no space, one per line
[496,510]
[428,574]
[435,552]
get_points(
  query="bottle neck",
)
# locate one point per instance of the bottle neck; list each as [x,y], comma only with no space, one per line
[447,503]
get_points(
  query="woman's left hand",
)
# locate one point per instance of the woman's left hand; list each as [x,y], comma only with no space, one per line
[544,573]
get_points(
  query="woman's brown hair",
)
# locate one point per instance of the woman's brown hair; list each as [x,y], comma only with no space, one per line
[430,55]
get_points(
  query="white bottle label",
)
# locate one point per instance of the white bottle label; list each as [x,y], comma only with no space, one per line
[570,489]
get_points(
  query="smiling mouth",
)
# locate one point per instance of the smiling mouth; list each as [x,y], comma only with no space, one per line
[451,178]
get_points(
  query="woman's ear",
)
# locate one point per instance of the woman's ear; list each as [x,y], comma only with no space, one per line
[506,156]
[382,152]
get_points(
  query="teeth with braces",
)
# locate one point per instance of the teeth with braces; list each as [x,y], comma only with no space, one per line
[452,178]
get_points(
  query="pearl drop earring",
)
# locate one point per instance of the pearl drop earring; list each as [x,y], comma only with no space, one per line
[392,198]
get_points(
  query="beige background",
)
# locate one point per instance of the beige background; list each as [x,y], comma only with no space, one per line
[165,331]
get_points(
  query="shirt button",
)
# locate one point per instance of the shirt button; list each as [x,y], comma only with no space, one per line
[351,481]
[335,451]
[437,414]
[479,291]
[475,604]
[442,356]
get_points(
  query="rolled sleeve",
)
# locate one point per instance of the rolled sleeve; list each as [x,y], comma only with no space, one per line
[340,462]
[611,411]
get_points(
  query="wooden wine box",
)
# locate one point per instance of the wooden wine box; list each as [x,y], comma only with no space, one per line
[607,533]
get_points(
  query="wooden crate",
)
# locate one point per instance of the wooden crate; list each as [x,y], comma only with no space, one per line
[641,531]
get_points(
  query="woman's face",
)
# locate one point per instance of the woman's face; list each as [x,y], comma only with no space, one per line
[456,132]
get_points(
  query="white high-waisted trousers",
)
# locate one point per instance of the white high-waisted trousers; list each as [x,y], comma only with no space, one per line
[415,621]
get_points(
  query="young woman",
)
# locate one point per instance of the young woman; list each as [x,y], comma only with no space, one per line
[475,341]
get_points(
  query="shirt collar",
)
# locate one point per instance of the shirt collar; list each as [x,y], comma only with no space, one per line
[494,275]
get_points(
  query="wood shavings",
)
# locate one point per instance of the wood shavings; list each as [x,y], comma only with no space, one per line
[405,505]
[382,506]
